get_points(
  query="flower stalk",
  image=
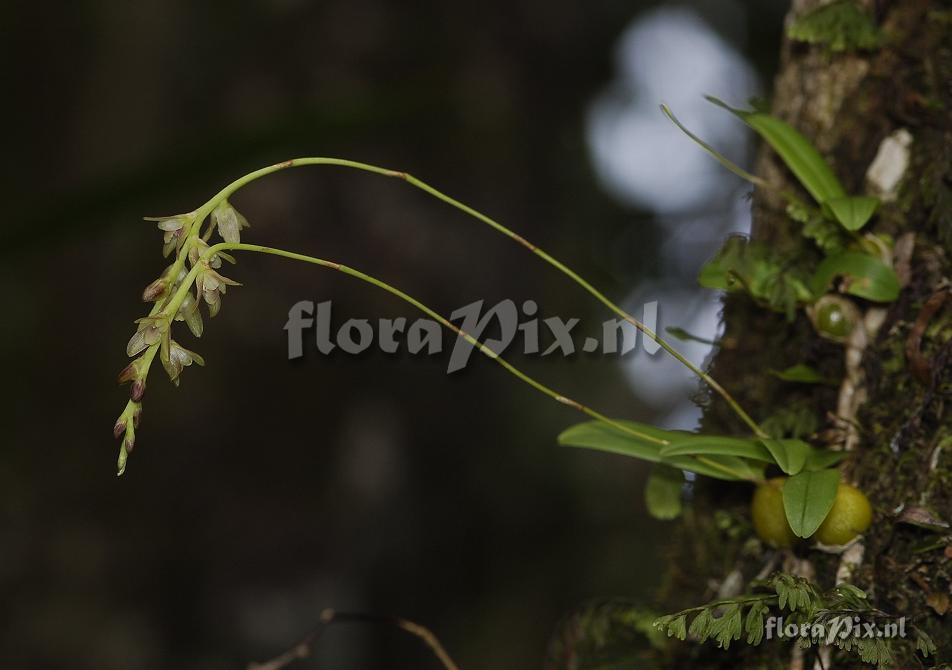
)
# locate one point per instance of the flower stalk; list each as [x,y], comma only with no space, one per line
[197,264]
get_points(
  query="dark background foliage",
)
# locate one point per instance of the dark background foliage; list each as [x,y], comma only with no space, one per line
[262,491]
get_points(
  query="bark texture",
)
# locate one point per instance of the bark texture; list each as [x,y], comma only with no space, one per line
[847,104]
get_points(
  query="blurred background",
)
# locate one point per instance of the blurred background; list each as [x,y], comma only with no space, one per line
[262,491]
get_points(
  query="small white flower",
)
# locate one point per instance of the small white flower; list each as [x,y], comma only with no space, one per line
[210,286]
[191,315]
[229,222]
[176,357]
[148,333]
[174,229]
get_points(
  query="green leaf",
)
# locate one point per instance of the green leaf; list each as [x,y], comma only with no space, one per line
[820,459]
[731,266]
[702,626]
[716,275]
[808,498]
[801,373]
[755,268]
[795,419]
[866,276]
[685,336]
[794,593]
[924,643]
[783,593]
[603,437]
[828,235]
[754,623]
[716,445]
[840,25]
[728,626]
[678,628]
[853,211]
[718,156]
[790,455]
[804,161]
[850,593]
[728,468]
[797,453]
[663,492]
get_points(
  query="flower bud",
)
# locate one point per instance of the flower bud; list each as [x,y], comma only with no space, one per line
[121,463]
[135,372]
[120,427]
[155,290]
[136,344]
[137,390]
[128,373]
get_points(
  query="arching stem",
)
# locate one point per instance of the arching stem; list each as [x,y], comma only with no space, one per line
[171,308]
[561,267]
[173,305]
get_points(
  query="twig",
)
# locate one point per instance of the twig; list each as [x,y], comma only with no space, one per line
[919,364]
[329,617]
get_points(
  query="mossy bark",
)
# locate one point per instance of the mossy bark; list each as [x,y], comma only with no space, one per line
[847,104]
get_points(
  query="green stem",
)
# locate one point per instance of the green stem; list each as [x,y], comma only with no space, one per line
[727,601]
[561,267]
[717,155]
[176,301]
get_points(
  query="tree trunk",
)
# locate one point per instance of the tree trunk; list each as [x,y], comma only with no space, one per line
[895,385]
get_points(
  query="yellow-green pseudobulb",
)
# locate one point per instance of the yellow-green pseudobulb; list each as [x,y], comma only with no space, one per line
[851,515]
[769,519]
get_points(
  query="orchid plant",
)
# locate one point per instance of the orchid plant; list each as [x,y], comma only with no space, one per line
[202,241]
